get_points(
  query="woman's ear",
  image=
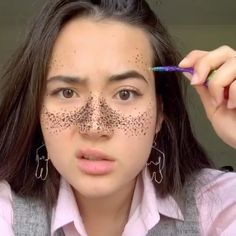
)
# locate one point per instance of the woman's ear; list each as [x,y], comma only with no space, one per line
[160,115]
[159,122]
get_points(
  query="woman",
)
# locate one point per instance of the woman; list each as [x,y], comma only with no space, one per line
[94,143]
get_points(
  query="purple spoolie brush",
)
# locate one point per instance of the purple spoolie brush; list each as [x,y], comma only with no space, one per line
[172,69]
[188,70]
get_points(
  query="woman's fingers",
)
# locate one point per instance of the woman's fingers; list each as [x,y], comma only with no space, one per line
[222,80]
[207,100]
[215,81]
[191,58]
[204,62]
[211,61]
[231,104]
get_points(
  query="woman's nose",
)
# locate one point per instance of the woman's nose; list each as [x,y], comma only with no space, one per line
[96,124]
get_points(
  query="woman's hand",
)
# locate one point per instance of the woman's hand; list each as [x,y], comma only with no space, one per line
[219,96]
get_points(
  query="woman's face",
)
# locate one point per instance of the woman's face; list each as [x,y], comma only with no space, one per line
[99,114]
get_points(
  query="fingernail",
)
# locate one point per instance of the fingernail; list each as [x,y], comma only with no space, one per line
[184,62]
[195,79]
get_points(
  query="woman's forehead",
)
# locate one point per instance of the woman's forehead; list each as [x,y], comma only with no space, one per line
[102,43]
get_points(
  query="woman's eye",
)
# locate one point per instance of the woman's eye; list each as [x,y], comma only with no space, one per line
[124,94]
[127,94]
[67,93]
[64,93]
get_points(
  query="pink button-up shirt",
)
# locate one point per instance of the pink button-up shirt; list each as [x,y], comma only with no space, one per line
[216,202]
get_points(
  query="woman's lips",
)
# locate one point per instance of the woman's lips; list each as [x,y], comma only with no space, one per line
[94,162]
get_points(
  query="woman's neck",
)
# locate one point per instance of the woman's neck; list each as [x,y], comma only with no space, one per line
[108,214]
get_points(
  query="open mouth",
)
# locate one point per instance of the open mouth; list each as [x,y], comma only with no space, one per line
[92,158]
[95,162]
[93,155]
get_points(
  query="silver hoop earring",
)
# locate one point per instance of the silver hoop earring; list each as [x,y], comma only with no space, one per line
[159,165]
[42,164]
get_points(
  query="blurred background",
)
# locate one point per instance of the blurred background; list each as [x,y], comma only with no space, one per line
[198,24]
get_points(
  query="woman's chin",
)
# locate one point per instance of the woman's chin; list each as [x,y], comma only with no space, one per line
[94,193]
[94,189]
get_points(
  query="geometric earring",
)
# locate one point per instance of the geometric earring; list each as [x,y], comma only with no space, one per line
[42,165]
[157,175]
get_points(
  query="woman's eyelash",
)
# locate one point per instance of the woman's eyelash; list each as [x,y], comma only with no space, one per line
[71,92]
[135,92]
[128,91]
[57,91]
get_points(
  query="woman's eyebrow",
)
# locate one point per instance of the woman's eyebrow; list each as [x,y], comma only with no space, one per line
[66,79]
[128,75]
[114,78]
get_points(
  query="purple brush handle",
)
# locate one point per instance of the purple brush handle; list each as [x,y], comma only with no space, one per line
[172,69]
[191,71]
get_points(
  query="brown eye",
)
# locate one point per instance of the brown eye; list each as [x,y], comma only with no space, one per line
[68,93]
[124,94]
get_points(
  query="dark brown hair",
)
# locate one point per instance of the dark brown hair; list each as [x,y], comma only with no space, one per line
[23,84]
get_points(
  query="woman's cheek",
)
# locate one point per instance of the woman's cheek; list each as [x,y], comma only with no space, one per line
[106,118]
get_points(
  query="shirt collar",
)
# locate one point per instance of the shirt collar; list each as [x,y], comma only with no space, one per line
[152,200]
[66,210]
[147,205]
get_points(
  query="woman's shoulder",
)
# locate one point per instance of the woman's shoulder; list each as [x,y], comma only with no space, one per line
[208,178]
[6,212]
[5,194]
[216,181]
[216,201]
[5,188]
